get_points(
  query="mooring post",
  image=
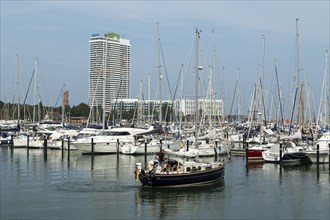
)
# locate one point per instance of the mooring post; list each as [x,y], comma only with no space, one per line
[92,146]
[247,155]
[68,148]
[117,144]
[215,148]
[45,147]
[145,153]
[62,147]
[28,143]
[317,154]
[11,144]
[281,154]
[145,147]
[329,156]
[318,161]
[27,147]
[92,153]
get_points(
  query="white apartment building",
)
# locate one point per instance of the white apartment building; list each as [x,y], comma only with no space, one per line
[185,106]
[109,69]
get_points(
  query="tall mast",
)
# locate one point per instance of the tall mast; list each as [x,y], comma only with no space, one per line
[279,97]
[105,57]
[262,78]
[149,119]
[140,105]
[212,95]
[224,106]
[35,90]
[297,79]
[302,97]
[297,60]
[63,107]
[263,59]
[17,89]
[181,96]
[324,96]
[159,76]
[327,90]
[196,86]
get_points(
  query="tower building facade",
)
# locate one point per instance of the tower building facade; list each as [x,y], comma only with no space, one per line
[109,69]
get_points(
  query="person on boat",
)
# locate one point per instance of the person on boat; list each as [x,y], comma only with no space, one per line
[161,157]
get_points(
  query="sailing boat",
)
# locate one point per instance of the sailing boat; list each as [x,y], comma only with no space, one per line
[213,142]
[176,171]
[324,141]
[203,143]
[262,136]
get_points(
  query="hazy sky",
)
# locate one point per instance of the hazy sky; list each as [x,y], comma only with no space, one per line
[57,33]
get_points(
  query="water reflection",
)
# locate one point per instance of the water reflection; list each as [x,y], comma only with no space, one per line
[104,187]
[167,202]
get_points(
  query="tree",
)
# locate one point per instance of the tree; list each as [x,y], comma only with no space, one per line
[80,110]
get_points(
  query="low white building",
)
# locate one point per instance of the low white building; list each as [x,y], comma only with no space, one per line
[185,106]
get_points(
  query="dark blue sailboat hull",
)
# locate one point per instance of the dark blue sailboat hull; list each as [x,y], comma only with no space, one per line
[184,179]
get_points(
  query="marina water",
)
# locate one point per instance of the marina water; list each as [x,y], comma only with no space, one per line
[79,186]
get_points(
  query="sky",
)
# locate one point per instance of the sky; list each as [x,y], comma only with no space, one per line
[57,33]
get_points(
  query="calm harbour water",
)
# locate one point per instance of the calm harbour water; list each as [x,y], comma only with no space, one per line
[105,188]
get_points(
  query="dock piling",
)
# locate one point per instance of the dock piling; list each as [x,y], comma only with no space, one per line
[145,147]
[11,145]
[45,147]
[281,154]
[246,154]
[117,145]
[62,147]
[68,148]
[215,149]
[317,154]
[28,143]
[145,153]
[92,147]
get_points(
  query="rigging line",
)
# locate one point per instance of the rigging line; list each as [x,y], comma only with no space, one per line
[168,83]
[293,107]
[118,92]
[29,87]
[58,98]
[252,109]
[263,101]
[279,95]
[154,104]
[232,103]
[95,88]
[177,85]
[175,91]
